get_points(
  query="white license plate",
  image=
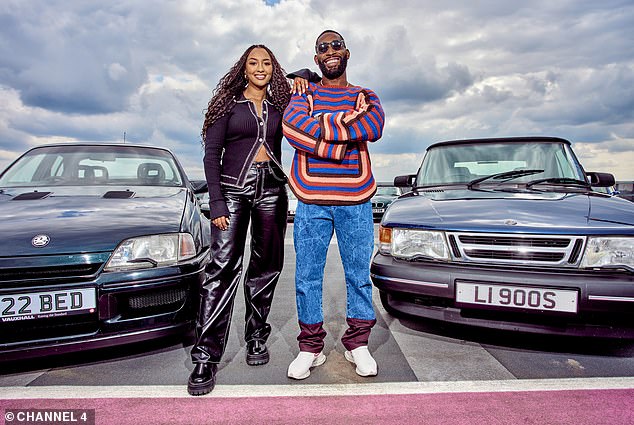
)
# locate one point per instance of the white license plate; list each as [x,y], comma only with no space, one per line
[517,297]
[378,210]
[38,305]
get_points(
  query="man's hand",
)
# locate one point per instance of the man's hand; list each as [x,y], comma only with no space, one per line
[362,104]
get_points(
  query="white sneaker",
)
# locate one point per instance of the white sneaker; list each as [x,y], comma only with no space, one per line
[366,365]
[300,367]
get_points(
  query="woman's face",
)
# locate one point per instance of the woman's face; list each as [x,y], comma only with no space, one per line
[259,67]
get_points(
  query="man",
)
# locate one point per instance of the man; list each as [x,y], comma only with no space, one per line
[329,126]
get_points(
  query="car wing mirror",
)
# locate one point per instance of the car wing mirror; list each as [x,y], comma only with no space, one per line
[404,181]
[601,179]
[199,186]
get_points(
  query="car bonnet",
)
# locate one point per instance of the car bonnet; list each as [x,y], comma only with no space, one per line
[498,212]
[85,223]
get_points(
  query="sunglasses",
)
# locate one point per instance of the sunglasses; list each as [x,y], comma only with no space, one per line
[335,44]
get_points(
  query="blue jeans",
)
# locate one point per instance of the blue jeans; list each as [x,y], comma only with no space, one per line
[314,225]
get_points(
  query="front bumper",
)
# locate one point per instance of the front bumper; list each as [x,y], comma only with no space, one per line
[428,290]
[131,307]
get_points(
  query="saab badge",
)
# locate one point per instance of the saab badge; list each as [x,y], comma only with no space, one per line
[40,241]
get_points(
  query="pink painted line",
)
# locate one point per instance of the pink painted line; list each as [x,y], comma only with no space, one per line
[567,407]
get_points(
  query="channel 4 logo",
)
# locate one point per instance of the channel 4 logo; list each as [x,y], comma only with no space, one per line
[49,416]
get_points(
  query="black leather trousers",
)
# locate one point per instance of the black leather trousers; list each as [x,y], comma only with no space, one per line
[263,203]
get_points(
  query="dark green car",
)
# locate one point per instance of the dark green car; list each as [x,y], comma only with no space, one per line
[102,244]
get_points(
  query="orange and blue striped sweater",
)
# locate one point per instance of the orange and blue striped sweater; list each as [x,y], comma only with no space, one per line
[330,128]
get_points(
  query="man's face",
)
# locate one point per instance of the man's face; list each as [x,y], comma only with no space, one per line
[331,62]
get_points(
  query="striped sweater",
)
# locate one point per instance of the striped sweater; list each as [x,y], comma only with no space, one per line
[330,127]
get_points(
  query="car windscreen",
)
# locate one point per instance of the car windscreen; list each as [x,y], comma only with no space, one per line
[462,163]
[93,165]
[387,191]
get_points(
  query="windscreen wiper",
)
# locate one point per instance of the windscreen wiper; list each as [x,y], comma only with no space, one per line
[567,181]
[431,186]
[507,175]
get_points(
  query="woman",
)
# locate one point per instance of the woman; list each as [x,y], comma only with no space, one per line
[242,135]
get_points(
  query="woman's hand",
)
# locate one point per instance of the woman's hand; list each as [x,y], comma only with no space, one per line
[221,222]
[299,85]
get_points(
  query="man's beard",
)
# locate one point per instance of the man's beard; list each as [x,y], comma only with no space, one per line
[337,72]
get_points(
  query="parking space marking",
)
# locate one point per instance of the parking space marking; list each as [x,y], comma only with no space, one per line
[308,390]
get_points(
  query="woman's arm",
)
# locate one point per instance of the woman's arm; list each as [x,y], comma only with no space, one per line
[301,78]
[214,145]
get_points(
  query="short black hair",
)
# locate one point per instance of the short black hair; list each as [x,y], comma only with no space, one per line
[324,32]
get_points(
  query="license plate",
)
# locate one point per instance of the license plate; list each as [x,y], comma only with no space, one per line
[378,210]
[516,297]
[39,305]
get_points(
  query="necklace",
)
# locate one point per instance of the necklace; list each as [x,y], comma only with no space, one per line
[346,86]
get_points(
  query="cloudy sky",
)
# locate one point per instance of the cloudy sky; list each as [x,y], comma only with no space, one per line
[95,70]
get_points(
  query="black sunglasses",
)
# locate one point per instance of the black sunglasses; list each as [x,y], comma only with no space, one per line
[335,44]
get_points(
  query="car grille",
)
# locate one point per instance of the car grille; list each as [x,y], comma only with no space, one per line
[42,271]
[58,272]
[517,249]
[157,299]
[378,204]
[137,304]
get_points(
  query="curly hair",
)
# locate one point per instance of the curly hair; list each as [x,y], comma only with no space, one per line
[233,83]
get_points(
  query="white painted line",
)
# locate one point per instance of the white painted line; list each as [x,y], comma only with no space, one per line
[307,390]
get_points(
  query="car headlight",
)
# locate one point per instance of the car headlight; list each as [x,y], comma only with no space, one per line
[411,243]
[609,251]
[152,251]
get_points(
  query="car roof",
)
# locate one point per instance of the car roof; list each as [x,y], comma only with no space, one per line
[530,139]
[100,144]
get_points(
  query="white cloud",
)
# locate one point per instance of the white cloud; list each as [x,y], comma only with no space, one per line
[616,155]
[116,71]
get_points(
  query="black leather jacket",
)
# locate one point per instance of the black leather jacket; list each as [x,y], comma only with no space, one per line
[231,144]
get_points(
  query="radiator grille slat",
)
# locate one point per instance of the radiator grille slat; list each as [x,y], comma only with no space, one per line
[512,241]
[66,272]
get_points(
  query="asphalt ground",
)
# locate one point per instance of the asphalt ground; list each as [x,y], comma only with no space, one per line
[414,357]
